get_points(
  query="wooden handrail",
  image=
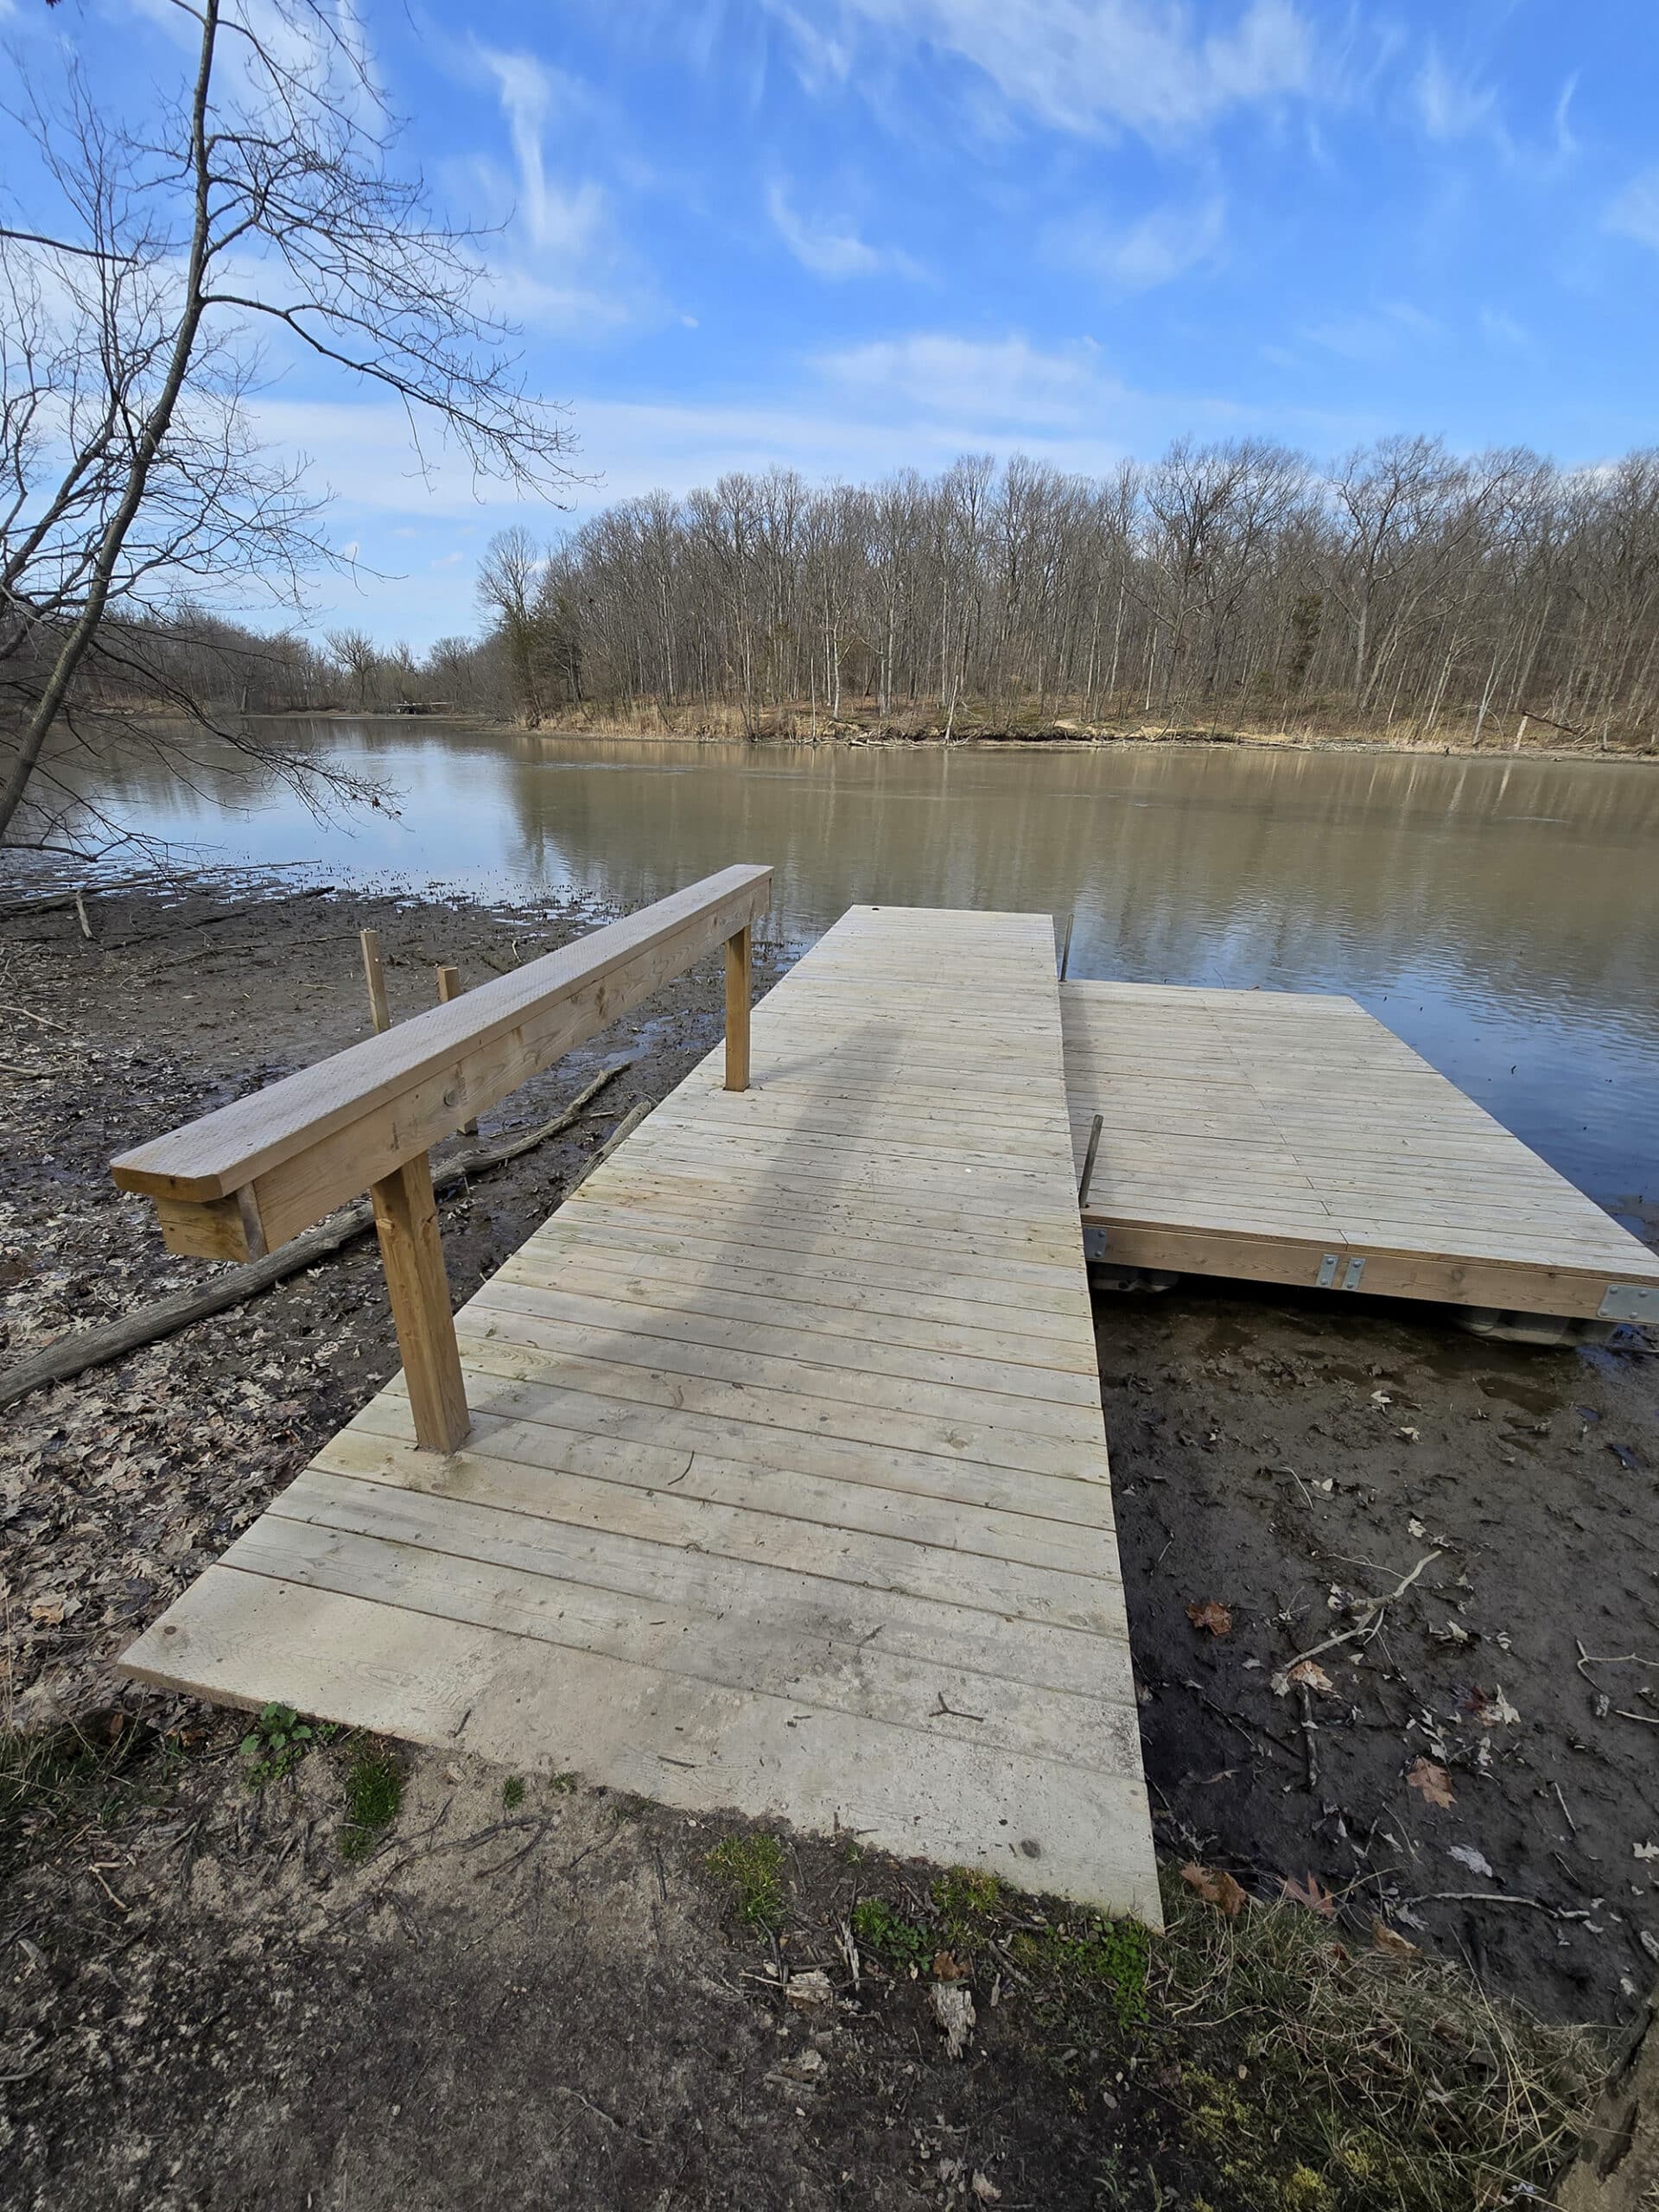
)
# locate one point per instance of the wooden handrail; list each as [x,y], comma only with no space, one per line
[241,1181]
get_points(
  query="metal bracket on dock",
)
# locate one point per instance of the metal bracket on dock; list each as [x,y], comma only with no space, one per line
[1093,1242]
[1629,1302]
[1326,1278]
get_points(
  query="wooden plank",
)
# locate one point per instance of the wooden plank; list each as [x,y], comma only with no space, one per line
[933,1547]
[761,1329]
[756,1361]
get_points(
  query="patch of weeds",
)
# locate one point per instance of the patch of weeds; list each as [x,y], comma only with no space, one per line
[964,1899]
[1102,1961]
[899,1942]
[562,1784]
[1337,2078]
[374,1792]
[63,1779]
[278,1740]
[752,1867]
[512,1793]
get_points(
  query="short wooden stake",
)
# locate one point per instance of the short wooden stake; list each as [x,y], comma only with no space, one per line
[1088,1174]
[375,974]
[737,1010]
[406,1219]
[450,988]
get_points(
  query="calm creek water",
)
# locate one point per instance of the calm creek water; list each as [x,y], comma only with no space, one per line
[1502,915]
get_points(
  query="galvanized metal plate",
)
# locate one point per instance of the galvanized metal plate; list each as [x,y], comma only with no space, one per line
[1327,1273]
[1093,1242]
[1631,1301]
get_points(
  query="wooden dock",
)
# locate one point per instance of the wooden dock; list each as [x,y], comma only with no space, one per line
[1292,1138]
[786,1488]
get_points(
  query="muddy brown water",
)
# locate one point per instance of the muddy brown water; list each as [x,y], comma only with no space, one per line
[1502,915]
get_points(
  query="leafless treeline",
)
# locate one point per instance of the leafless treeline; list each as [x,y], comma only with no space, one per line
[1402,588]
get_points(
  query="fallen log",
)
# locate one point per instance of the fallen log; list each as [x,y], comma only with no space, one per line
[72,1356]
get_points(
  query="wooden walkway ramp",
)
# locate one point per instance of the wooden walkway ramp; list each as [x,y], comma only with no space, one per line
[786,1485]
[1293,1138]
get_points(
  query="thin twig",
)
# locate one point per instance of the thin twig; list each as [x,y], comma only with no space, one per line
[1623,1659]
[1367,1608]
[1496,1897]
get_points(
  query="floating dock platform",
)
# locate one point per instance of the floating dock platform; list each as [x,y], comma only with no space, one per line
[1291,1138]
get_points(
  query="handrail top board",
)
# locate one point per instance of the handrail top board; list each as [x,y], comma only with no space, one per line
[224,1151]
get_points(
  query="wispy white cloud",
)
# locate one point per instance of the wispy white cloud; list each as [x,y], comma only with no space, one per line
[965,379]
[1634,212]
[1376,335]
[1162,245]
[1451,107]
[561,264]
[561,219]
[830,250]
[1078,65]
[1499,328]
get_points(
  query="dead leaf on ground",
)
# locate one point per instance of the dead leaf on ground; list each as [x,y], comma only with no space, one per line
[1215,1886]
[1312,1892]
[948,1967]
[1311,1676]
[1433,1781]
[1211,1615]
[1384,1938]
[1476,1861]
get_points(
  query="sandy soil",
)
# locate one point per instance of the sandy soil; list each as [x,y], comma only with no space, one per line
[188,1978]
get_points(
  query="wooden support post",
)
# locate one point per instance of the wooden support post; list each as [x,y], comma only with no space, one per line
[406,1218]
[737,1010]
[450,988]
[375,974]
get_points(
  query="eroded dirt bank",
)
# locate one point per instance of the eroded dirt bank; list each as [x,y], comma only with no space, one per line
[552,2001]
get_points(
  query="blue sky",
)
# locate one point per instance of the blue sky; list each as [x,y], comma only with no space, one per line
[855,235]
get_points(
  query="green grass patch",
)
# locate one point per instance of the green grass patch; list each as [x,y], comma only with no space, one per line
[1101,1962]
[752,1866]
[965,1899]
[512,1793]
[374,1793]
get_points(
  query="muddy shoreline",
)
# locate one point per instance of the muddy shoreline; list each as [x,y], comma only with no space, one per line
[1061,737]
[1285,1458]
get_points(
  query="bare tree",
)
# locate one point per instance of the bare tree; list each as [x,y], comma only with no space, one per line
[1403,586]
[130,306]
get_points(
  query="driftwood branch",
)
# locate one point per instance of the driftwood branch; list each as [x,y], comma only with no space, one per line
[72,1355]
